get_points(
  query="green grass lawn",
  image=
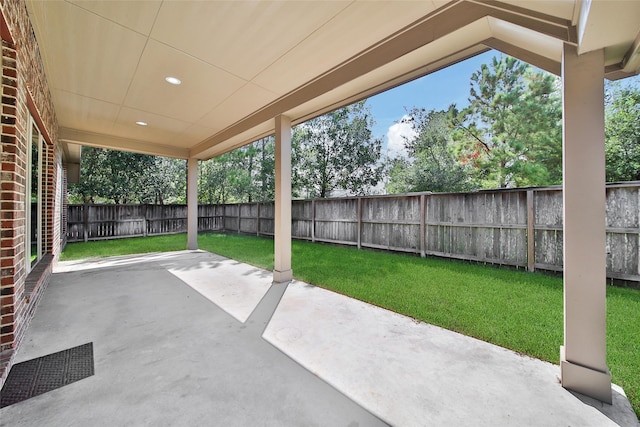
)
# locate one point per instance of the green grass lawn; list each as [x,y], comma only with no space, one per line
[139,245]
[514,309]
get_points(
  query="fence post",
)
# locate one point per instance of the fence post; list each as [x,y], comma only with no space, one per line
[531,241]
[144,226]
[423,201]
[163,223]
[239,214]
[359,222]
[313,220]
[258,220]
[85,221]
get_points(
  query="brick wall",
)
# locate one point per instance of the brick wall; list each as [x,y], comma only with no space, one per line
[13,162]
[24,94]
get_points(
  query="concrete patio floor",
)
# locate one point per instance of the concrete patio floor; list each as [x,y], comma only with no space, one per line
[194,339]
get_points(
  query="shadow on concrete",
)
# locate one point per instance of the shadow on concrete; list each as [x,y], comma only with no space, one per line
[620,411]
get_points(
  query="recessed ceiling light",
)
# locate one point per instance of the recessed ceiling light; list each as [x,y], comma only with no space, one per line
[173,80]
[141,123]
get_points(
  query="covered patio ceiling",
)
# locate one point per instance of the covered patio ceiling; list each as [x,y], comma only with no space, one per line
[242,63]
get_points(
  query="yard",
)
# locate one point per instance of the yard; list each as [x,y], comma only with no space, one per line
[514,309]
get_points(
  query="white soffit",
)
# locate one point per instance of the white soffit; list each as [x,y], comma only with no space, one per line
[71,153]
[539,44]
[612,25]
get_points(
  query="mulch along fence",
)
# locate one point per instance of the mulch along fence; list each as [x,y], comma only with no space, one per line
[492,226]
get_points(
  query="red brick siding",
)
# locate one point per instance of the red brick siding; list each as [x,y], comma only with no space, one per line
[12,196]
[24,93]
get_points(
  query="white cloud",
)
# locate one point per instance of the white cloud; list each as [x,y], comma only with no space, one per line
[396,136]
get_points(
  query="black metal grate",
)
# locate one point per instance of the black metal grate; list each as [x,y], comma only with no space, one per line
[46,373]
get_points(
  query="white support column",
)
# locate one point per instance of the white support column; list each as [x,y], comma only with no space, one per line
[282,216]
[192,203]
[583,357]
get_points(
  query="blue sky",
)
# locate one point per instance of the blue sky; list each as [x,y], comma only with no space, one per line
[435,91]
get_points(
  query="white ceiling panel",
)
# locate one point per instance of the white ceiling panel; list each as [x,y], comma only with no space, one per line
[242,37]
[136,15]
[86,54]
[203,85]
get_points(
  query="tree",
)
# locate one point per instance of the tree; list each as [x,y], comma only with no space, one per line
[336,151]
[511,131]
[266,177]
[123,177]
[431,166]
[622,130]
[93,176]
[165,182]
[212,180]
[242,175]
[112,175]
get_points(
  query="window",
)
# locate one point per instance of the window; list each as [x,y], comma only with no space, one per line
[34,198]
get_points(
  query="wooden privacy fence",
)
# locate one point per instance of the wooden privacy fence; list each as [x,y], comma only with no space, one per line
[492,226]
[101,222]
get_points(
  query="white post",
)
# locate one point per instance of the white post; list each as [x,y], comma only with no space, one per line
[282,217]
[192,203]
[583,357]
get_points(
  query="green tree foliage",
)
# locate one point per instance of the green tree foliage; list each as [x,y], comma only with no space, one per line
[511,131]
[165,182]
[336,151]
[242,175]
[267,166]
[212,180]
[622,129]
[120,177]
[432,165]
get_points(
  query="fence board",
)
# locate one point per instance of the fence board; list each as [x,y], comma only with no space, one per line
[301,219]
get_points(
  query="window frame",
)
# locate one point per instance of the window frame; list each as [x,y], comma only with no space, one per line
[34,133]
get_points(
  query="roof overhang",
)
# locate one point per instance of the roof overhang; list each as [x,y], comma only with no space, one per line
[244,63]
